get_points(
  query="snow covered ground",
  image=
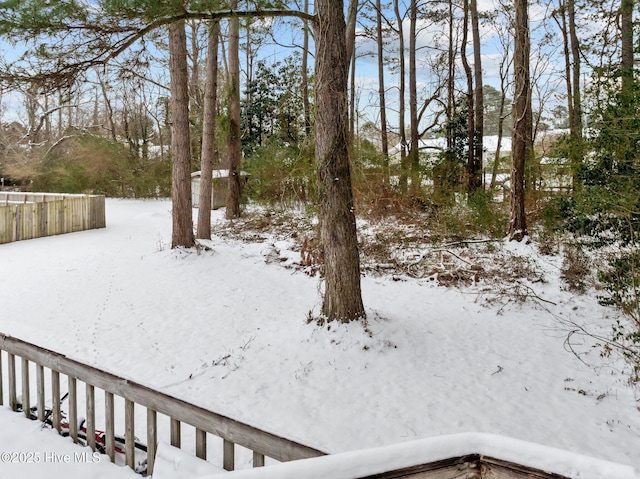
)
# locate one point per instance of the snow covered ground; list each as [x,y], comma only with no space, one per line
[227,329]
[28,451]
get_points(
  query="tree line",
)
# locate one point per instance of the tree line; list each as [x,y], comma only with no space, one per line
[79,56]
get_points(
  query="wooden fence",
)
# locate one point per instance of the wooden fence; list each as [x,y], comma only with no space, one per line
[34,215]
[232,432]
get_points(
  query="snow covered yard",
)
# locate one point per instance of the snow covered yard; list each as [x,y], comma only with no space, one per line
[227,328]
[28,451]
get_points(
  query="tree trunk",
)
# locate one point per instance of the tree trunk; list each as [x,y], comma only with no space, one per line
[384,138]
[350,35]
[234,147]
[401,102]
[478,107]
[181,174]
[626,46]
[571,51]
[522,126]
[350,30]
[564,30]
[414,156]
[305,76]
[342,295]
[208,134]
[501,117]
[575,56]
[195,91]
[450,83]
[352,103]
[471,130]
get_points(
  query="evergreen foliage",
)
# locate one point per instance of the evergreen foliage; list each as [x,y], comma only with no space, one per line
[272,105]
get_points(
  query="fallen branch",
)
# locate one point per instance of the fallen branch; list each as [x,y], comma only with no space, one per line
[534,294]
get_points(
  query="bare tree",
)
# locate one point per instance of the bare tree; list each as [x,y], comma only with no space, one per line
[451,61]
[381,92]
[108,107]
[505,62]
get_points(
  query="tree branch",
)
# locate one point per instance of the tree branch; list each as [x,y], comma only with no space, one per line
[108,52]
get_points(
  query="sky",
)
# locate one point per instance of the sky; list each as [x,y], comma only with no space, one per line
[289,33]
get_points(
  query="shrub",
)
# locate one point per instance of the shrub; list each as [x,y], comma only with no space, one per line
[621,281]
[575,269]
[281,174]
[91,164]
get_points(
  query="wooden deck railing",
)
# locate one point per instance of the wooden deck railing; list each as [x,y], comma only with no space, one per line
[232,432]
[34,215]
[478,456]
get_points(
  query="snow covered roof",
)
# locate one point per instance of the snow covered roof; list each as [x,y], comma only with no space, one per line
[222,173]
[490,144]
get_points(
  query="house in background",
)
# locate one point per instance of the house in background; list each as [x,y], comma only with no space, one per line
[431,149]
